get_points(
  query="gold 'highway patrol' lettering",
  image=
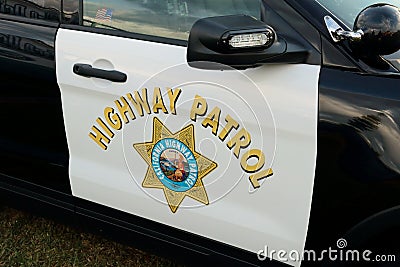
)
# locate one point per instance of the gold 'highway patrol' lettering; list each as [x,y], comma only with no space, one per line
[240,141]
[124,112]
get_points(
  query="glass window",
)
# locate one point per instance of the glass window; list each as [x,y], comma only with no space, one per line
[347,10]
[35,9]
[70,12]
[165,18]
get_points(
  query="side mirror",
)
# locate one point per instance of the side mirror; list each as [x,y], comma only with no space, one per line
[239,41]
[376,31]
[380,24]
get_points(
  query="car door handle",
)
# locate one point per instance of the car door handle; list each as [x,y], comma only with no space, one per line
[88,71]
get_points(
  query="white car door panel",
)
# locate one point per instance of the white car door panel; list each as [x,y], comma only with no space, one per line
[184,147]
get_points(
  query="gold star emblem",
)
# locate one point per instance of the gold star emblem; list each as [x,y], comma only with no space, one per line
[174,165]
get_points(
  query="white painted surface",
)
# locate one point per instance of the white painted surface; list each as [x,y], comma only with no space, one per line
[277,104]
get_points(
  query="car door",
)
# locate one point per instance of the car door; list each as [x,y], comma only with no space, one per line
[32,141]
[224,153]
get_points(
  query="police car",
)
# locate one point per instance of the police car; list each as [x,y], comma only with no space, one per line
[224,132]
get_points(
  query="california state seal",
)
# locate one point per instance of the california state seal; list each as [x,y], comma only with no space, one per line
[174,165]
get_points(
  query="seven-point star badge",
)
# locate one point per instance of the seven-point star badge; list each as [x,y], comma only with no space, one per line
[174,164]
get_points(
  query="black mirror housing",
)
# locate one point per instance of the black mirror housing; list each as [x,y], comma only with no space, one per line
[380,24]
[239,41]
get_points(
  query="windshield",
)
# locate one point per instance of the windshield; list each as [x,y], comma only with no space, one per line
[347,10]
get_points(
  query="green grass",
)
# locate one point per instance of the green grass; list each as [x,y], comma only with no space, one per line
[27,240]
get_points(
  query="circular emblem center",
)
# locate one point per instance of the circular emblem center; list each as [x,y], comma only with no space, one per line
[174,164]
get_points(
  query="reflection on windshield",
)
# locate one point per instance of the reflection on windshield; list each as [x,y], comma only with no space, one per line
[347,10]
[167,18]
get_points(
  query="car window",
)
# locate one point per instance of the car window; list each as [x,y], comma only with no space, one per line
[347,10]
[165,18]
[48,10]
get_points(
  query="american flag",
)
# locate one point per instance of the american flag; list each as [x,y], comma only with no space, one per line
[104,14]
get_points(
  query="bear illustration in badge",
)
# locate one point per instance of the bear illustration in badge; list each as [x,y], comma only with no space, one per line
[174,165]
